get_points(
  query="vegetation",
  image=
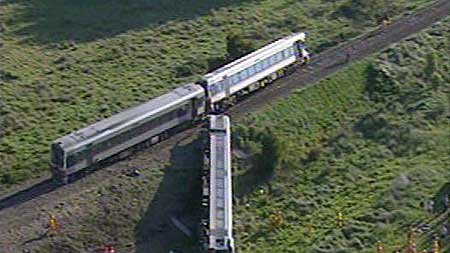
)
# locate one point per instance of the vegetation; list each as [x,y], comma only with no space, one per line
[371,142]
[68,64]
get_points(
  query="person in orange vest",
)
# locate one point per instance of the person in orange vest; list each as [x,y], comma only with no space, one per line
[277,219]
[380,248]
[436,246]
[410,233]
[340,219]
[109,249]
[386,21]
[53,225]
[348,55]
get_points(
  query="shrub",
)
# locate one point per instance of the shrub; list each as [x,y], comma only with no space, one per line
[381,86]
[237,46]
[368,10]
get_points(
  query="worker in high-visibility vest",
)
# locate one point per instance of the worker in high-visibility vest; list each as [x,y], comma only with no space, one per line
[53,224]
[340,219]
[436,246]
[386,22]
[380,248]
[109,249]
[410,234]
[277,219]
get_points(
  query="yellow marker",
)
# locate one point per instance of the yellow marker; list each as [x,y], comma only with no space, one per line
[411,248]
[340,219]
[410,235]
[53,223]
[436,246]
[277,219]
[380,248]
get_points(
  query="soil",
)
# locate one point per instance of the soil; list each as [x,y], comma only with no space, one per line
[173,166]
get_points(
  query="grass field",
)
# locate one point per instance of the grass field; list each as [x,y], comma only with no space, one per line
[67,64]
[372,142]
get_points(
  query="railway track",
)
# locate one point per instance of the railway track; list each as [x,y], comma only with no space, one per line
[329,61]
[21,207]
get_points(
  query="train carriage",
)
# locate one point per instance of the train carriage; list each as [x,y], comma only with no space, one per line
[218,226]
[153,120]
[254,70]
[149,121]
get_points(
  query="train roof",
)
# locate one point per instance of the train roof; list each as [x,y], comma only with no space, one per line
[261,53]
[130,115]
[220,180]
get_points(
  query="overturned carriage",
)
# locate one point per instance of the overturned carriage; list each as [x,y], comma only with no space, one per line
[217,222]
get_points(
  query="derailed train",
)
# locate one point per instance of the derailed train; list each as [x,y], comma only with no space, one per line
[160,117]
[217,219]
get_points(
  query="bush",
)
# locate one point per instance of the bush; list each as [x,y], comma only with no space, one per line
[368,10]
[191,67]
[237,46]
[381,86]
[14,176]
[215,62]
[183,70]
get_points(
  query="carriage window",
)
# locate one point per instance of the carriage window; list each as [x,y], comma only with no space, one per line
[235,78]
[279,56]
[258,67]
[251,71]
[272,60]
[243,74]
[265,63]
[214,89]
[219,86]
[287,52]
[134,131]
[74,158]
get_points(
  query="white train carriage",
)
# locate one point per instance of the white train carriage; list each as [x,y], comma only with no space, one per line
[255,69]
[220,223]
[148,121]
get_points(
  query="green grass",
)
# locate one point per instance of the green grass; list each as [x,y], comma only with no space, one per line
[372,141]
[66,65]
[314,156]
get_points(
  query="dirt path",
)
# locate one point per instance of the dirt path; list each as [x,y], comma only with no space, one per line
[22,215]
